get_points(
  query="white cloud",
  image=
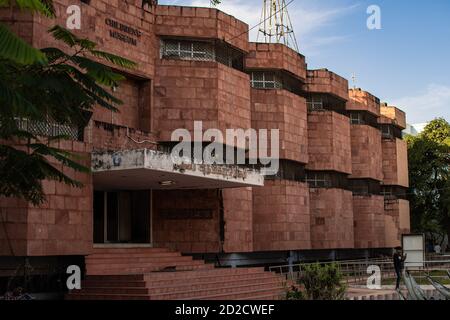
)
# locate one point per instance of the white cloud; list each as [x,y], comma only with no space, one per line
[432,103]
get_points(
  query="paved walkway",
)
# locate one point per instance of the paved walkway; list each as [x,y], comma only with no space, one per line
[386,293]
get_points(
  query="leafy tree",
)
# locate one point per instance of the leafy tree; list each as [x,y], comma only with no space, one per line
[47,85]
[429,160]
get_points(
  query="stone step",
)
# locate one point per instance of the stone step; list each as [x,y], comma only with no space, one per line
[132,255]
[140,260]
[132,263]
[136,269]
[113,290]
[276,292]
[201,278]
[279,295]
[161,274]
[112,283]
[195,285]
[122,278]
[125,250]
[188,294]
[213,272]
[102,296]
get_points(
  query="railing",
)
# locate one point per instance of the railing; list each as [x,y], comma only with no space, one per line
[355,272]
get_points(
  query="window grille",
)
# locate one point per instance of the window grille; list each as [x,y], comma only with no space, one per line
[50,129]
[394,192]
[315,103]
[266,80]
[189,50]
[356,118]
[195,50]
[320,221]
[323,101]
[318,180]
[365,187]
[387,132]
[289,170]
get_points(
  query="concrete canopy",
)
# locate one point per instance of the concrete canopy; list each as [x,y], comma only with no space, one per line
[148,169]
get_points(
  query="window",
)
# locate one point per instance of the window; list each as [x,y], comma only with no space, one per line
[320,221]
[356,118]
[318,180]
[387,191]
[51,129]
[217,51]
[387,132]
[315,103]
[190,50]
[265,80]
[361,190]
[289,170]
[365,187]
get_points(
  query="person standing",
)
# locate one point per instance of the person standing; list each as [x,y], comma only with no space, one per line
[399,259]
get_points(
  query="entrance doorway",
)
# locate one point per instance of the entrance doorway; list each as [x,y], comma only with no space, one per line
[122,217]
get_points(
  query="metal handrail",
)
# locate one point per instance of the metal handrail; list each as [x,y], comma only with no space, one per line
[355,271]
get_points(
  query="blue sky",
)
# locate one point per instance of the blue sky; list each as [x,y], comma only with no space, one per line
[405,63]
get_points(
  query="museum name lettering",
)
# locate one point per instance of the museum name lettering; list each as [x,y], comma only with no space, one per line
[123,32]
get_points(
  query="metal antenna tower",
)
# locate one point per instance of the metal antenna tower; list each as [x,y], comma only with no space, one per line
[275,25]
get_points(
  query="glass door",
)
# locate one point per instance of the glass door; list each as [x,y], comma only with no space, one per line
[122,217]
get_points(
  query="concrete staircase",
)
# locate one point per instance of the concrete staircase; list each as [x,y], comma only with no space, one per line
[162,274]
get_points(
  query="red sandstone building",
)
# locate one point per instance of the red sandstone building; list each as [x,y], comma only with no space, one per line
[343,173]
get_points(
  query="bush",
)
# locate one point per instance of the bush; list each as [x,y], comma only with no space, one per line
[319,282]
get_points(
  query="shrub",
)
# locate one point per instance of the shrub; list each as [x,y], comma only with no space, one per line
[319,282]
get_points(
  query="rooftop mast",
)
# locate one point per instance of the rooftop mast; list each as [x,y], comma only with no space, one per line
[275,25]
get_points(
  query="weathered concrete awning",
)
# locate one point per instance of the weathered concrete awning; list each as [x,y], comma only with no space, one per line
[148,169]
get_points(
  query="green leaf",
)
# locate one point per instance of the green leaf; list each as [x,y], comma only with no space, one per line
[14,103]
[101,73]
[44,7]
[15,49]
[59,33]
[22,172]
[118,61]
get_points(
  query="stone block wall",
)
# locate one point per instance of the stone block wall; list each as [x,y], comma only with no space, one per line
[324,81]
[62,225]
[331,218]
[280,109]
[94,27]
[394,115]
[395,163]
[238,216]
[188,91]
[363,101]
[329,142]
[205,23]
[366,152]
[106,137]
[369,221]
[281,219]
[186,235]
[271,56]
[397,215]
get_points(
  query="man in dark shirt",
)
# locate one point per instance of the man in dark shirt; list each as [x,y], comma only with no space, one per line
[399,258]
